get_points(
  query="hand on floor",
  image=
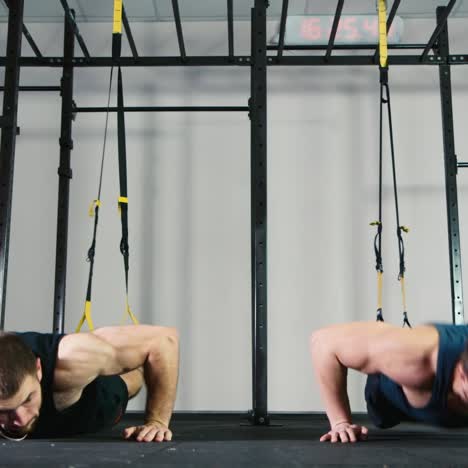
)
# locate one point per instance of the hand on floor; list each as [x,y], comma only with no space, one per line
[149,432]
[345,432]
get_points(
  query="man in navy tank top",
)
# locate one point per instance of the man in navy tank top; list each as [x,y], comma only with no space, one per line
[63,385]
[418,375]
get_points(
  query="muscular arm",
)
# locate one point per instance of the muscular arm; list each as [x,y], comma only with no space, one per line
[116,350]
[406,356]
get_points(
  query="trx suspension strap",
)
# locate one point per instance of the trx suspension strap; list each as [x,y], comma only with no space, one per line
[123,199]
[385,99]
[94,211]
[383,66]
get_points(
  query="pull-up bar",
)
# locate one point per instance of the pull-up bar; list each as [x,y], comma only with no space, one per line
[166,109]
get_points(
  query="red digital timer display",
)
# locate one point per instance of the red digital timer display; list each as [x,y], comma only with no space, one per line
[355,29]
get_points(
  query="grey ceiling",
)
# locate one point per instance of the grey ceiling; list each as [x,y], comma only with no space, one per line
[202,10]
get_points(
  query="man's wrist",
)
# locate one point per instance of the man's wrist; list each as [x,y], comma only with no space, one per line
[340,422]
[161,421]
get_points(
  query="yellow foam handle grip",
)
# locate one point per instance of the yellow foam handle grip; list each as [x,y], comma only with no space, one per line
[117,17]
[383,44]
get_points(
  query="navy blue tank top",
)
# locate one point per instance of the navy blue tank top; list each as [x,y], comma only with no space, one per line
[387,403]
[77,419]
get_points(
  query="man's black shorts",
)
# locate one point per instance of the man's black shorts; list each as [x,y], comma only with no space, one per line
[101,406]
[106,399]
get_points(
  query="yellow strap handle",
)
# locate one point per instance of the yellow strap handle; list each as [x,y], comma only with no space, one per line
[117,17]
[86,316]
[120,201]
[383,45]
[129,312]
[92,207]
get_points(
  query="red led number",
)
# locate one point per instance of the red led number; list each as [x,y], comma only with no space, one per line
[311,30]
[348,30]
[371,28]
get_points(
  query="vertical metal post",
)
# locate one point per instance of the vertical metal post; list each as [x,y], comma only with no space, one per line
[258,125]
[8,141]
[65,174]
[450,159]
[230,16]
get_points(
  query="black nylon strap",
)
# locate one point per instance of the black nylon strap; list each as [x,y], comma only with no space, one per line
[116,47]
[406,320]
[380,316]
[386,100]
[124,249]
[401,246]
[91,254]
[92,249]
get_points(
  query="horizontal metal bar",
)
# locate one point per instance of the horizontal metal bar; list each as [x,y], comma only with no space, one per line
[295,60]
[346,47]
[462,164]
[132,62]
[460,59]
[166,109]
[36,88]
[354,60]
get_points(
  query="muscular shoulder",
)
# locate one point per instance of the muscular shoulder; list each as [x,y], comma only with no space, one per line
[80,358]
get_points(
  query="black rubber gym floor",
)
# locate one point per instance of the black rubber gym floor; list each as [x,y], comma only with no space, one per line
[223,441]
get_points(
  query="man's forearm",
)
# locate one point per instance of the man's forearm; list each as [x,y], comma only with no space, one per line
[332,379]
[161,371]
